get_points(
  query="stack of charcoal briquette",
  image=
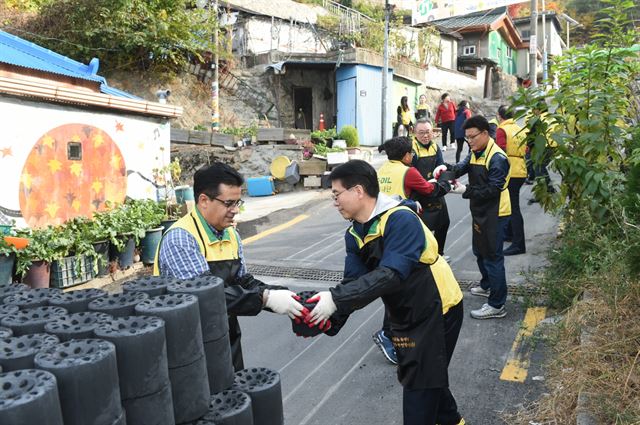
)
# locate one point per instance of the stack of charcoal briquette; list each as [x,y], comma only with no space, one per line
[157,353]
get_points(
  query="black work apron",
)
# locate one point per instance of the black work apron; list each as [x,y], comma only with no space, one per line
[417,325]
[484,214]
[435,214]
[227,270]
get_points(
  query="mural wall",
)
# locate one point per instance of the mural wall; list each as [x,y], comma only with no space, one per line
[59,162]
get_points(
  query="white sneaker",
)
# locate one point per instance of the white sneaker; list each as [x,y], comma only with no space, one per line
[488,312]
[477,290]
[444,149]
[446,258]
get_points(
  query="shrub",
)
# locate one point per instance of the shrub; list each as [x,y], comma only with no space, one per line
[350,135]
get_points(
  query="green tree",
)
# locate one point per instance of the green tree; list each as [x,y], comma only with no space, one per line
[124,34]
[590,116]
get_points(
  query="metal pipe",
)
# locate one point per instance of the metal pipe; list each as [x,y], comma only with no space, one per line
[545,74]
[385,67]
[533,45]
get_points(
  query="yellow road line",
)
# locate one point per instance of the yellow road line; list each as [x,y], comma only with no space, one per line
[276,229]
[517,364]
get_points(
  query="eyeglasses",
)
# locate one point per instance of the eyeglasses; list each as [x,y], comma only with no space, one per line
[423,133]
[232,203]
[335,196]
[473,136]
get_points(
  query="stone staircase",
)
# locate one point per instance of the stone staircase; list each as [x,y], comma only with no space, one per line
[250,94]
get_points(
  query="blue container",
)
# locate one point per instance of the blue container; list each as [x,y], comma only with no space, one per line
[184,193]
[6,268]
[261,186]
[149,245]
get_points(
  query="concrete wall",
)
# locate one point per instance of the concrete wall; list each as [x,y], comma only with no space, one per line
[42,185]
[448,53]
[449,80]
[256,34]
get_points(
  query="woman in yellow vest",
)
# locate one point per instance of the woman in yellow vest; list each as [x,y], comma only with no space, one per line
[403,117]
[488,169]
[514,140]
[422,110]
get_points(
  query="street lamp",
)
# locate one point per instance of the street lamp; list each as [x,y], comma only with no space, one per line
[215,93]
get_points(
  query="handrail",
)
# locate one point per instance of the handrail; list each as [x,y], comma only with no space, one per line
[340,9]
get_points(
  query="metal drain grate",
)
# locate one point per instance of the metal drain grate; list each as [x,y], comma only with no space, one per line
[335,276]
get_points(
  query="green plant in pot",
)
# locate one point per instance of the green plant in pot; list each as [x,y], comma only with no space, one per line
[349,134]
[167,176]
[46,245]
[151,215]
[91,240]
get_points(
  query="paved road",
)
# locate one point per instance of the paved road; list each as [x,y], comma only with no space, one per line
[344,379]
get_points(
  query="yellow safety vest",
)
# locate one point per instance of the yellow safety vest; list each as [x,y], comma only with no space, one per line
[212,248]
[391,178]
[406,116]
[516,147]
[492,149]
[448,287]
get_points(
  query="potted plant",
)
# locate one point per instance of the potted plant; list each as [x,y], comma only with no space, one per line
[91,245]
[126,230]
[7,260]
[350,135]
[46,244]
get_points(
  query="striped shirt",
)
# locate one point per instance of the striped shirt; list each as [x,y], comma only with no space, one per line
[180,255]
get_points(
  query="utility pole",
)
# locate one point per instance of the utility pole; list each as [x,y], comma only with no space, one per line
[385,67]
[533,44]
[545,71]
[215,93]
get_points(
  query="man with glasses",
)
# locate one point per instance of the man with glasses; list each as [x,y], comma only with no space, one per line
[205,242]
[392,255]
[488,169]
[427,158]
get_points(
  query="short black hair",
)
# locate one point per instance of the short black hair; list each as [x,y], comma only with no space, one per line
[476,121]
[444,95]
[207,179]
[357,172]
[424,120]
[396,148]
[504,112]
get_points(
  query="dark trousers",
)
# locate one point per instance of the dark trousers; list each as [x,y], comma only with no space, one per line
[436,405]
[515,229]
[530,172]
[447,126]
[460,143]
[492,270]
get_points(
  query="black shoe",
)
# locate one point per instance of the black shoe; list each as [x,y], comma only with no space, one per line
[507,240]
[532,201]
[528,182]
[512,250]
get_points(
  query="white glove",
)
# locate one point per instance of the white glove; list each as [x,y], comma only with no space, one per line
[324,308]
[432,181]
[281,301]
[458,188]
[418,208]
[438,170]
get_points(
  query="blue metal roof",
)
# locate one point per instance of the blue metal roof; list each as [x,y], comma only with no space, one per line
[19,52]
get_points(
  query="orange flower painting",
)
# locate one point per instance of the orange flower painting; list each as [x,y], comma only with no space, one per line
[72,170]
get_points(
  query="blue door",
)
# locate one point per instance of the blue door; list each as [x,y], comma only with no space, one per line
[346,103]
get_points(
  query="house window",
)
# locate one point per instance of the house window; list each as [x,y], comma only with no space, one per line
[509,52]
[526,34]
[74,151]
[468,50]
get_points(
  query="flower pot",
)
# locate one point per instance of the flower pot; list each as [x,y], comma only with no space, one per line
[166,224]
[6,268]
[184,193]
[18,243]
[339,143]
[125,256]
[149,244]
[38,274]
[102,249]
